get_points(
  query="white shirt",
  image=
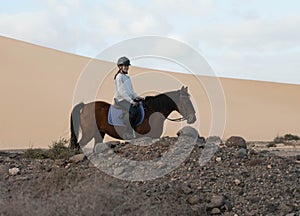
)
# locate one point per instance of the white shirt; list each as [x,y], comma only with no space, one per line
[124,89]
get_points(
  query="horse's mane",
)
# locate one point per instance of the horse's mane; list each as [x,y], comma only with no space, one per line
[164,101]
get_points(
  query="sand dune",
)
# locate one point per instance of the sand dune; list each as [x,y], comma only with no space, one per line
[37,87]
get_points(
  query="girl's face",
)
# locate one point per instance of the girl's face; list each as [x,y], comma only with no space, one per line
[124,68]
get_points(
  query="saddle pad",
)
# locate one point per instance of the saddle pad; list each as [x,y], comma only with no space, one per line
[115,113]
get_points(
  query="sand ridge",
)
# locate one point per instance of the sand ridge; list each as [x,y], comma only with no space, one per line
[37,86]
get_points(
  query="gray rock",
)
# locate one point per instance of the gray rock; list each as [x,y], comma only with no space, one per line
[236,141]
[101,148]
[186,189]
[241,153]
[59,162]
[215,211]
[143,141]
[132,163]
[291,214]
[216,201]
[188,131]
[3,170]
[227,205]
[77,158]
[193,199]
[118,170]
[199,209]
[214,139]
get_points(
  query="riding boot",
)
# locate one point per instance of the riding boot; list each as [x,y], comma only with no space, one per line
[128,131]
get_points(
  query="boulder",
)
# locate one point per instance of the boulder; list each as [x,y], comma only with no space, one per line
[216,201]
[188,131]
[214,140]
[236,141]
[241,153]
[77,158]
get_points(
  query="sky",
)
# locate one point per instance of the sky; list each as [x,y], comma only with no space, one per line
[246,39]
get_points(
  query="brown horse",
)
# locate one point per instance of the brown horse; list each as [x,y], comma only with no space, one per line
[93,117]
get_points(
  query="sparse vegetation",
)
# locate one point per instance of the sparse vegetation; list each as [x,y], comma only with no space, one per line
[271,144]
[287,137]
[32,153]
[58,150]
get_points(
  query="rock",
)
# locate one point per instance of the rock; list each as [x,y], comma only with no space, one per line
[214,140]
[241,153]
[186,189]
[3,170]
[14,171]
[211,147]
[111,144]
[291,214]
[236,141]
[255,162]
[101,148]
[188,131]
[227,206]
[60,162]
[237,182]
[77,158]
[193,199]
[143,141]
[132,163]
[216,201]
[218,159]
[199,209]
[215,211]
[118,170]
[200,140]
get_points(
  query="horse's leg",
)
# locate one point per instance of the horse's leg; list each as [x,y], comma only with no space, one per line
[99,136]
[88,128]
[86,138]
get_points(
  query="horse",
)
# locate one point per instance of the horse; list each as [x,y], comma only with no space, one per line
[92,118]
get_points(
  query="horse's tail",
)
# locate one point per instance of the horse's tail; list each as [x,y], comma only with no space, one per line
[74,125]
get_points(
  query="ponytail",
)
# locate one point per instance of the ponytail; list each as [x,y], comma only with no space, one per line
[116,74]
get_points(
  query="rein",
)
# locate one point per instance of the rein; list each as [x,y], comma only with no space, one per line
[177,120]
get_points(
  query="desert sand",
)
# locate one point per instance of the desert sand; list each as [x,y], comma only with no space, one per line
[37,88]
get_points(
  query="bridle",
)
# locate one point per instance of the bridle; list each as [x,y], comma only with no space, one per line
[181,118]
[177,119]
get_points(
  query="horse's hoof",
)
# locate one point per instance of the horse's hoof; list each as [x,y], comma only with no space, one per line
[128,136]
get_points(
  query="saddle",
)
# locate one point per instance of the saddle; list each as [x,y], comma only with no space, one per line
[136,115]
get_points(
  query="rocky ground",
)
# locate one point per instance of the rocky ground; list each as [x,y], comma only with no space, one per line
[241,178]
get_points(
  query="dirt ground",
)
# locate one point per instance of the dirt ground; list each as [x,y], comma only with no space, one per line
[256,179]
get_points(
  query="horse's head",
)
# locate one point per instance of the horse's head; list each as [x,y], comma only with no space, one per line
[185,106]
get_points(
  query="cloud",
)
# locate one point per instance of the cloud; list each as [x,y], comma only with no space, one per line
[238,41]
[184,7]
[258,35]
[256,48]
[78,25]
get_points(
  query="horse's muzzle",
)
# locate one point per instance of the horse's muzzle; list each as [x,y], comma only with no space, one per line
[191,119]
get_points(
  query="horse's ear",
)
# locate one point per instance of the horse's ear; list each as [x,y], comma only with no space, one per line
[184,89]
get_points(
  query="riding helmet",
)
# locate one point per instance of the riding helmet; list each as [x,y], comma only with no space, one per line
[123,61]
